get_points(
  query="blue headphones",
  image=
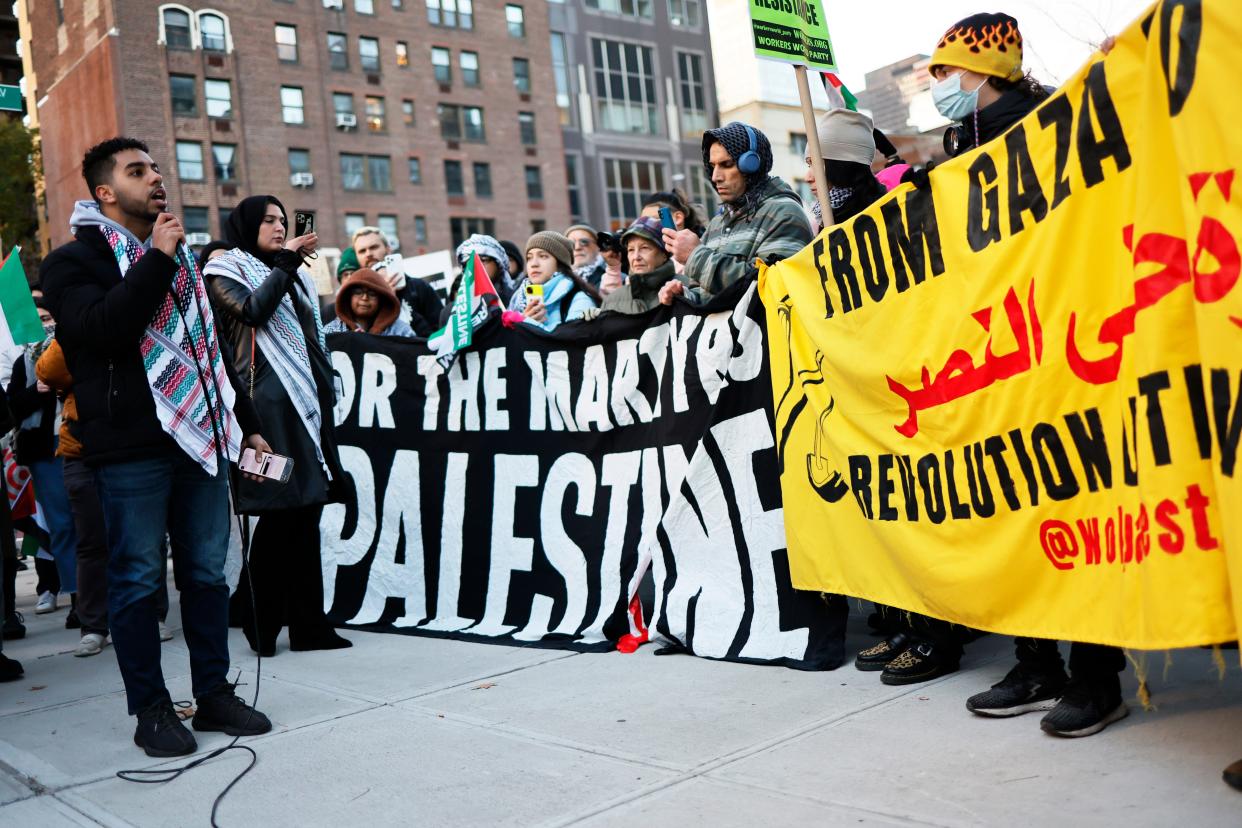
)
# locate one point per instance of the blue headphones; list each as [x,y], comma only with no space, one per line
[749,162]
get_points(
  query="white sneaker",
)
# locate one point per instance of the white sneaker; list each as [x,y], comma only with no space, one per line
[91,644]
[165,632]
[47,603]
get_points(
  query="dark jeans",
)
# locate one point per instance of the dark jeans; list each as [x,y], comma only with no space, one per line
[88,521]
[49,486]
[1085,661]
[142,501]
[286,577]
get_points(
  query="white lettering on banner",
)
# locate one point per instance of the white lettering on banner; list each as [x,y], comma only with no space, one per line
[550,404]
[654,345]
[337,549]
[379,380]
[747,365]
[344,368]
[712,354]
[593,398]
[452,528]
[495,390]
[509,553]
[620,473]
[679,341]
[463,379]
[430,369]
[566,556]
[402,520]
[625,393]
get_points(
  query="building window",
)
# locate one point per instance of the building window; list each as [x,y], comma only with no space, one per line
[403,54]
[452,14]
[442,65]
[407,112]
[286,43]
[693,101]
[222,156]
[369,54]
[376,121]
[416,170]
[624,87]
[560,71]
[212,33]
[219,96]
[453,183]
[342,103]
[292,110]
[353,223]
[526,128]
[190,161]
[461,123]
[379,173]
[534,185]
[388,226]
[469,63]
[683,12]
[177,31]
[483,180]
[420,229]
[462,227]
[338,50]
[364,6]
[575,194]
[353,172]
[797,144]
[184,95]
[366,172]
[629,8]
[299,161]
[516,20]
[700,188]
[521,75]
[195,220]
[399,5]
[627,183]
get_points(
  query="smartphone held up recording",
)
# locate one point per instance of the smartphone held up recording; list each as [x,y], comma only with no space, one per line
[273,466]
[666,219]
[303,223]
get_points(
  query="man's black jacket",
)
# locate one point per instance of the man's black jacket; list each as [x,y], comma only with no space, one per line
[100,319]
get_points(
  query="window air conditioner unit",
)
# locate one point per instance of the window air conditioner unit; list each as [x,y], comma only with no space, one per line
[302,179]
[346,121]
[334,4]
[197,239]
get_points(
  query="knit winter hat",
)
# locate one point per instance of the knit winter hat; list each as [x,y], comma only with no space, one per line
[989,44]
[588,228]
[846,136]
[554,244]
[646,228]
[732,136]
[348,262]
[483,246]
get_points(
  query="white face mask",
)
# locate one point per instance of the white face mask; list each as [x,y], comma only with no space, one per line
[954,102]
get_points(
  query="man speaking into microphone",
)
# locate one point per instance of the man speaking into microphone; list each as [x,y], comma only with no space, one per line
[161,417]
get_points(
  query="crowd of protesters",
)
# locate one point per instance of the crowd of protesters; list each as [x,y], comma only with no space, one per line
[129,467]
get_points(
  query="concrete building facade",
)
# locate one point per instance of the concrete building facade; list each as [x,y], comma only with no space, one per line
[635,90]
[432,119]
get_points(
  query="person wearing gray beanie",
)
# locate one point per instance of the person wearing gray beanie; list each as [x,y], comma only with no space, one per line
[761,218]
[847,141]
[551,293]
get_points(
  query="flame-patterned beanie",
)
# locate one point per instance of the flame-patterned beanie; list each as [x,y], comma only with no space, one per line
[989,44]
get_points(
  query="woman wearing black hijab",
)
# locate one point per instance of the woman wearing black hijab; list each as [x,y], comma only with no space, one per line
[268,312]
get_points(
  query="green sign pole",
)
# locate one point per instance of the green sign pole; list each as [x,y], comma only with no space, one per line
[10,98]
[794,31]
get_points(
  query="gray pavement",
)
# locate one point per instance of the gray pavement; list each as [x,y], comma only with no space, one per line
[402,730]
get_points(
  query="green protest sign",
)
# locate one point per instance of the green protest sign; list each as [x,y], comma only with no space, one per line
[793,31]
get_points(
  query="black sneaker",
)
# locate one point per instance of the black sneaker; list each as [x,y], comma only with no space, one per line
[224,712]
[71,620]
[1086,707]
[920,662]
[1233,775]
[877,657]
[14,626]
[1023,690]
[161,733]
[10,670]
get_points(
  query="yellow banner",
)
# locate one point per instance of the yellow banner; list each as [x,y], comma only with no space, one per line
[1012,399]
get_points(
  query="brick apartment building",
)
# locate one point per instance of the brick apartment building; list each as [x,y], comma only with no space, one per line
[430,118]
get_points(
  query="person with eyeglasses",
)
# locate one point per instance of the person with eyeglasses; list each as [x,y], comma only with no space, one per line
[366,304]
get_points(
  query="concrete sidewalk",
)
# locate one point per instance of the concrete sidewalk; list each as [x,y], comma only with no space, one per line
[402,730]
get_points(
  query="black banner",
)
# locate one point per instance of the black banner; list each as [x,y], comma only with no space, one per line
[521,496]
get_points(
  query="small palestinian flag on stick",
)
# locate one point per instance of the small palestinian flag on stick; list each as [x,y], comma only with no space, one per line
[19,320]
[475,299]
[839,96]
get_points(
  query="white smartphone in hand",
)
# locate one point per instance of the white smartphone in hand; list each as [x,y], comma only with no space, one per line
[273,466]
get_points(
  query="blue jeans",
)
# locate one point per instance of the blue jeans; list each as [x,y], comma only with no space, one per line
[142,501]
[49,488]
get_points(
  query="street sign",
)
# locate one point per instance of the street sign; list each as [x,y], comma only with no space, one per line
[793,31]
[10,98]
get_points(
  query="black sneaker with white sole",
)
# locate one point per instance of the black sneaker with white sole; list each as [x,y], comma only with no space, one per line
[1023,690]
[161,733]
[1087,706]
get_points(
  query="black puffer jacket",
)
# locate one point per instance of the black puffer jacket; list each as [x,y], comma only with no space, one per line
[100,319]
[36,443]
[238,312]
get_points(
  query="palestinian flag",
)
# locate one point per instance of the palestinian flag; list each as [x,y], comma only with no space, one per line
[19,321]
[475,299]
[839,96]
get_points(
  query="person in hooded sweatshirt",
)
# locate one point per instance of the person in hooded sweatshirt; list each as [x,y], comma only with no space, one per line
[559,295]
[367,304]
[134,321]
[762,217]
[269,314]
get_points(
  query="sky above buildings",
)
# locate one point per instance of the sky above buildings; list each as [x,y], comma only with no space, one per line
[1059,35]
